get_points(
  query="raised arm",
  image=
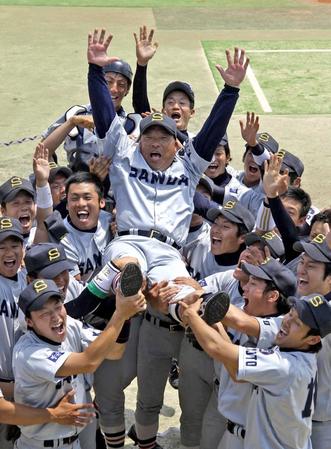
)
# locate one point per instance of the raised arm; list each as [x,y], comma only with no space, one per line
[102,106]
[215,126]
[145,50]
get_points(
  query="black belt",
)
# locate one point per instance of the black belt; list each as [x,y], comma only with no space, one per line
[7,381]
[60,441]
[172,327]
[236,429]
[152,234]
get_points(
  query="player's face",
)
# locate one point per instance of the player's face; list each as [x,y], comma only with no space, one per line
[310,277]
[58,189]
[218,163]
[252,173]
[158,148]
[253,254]
[11,255]
[50,321]
[319,227]
[23,208]
[293,208]
[223,236]
[293,332]
[84,205]
[177,106]
[256,301]
[118,87]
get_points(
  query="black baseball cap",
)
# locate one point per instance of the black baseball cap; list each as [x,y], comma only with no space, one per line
[13,186]
[290,162]
[268,142]
[315,311]
[318,249]
[207,183]
[272,270]
[10,227]
[233,211]
[58,170]
[36,294]
[159,119]
[183,87]
[47,260]
[270,239]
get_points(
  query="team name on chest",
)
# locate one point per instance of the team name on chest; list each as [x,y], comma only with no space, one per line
[157,177]
[8,309]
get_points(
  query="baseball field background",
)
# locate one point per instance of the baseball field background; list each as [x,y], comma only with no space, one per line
[43,72]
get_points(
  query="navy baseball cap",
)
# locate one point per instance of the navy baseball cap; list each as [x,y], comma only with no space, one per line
[58,170]
[290,162]
[318,249]
[36,294]
[13,186]
[47,260]
[181,86]
[272,270]
[10,227]
[315,311]
[159,119]
[268,142]
[270,239]
[233,211]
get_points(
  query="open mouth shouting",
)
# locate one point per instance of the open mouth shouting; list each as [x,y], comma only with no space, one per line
[25,220]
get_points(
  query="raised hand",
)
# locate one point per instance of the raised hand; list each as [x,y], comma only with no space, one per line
[99,166]
[274,183]
[97,48]
[250,128]
[235,72]
[40,165]
[145,47]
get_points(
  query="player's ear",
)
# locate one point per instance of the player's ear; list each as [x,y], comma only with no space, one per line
[29,322]
[3,210]
[313,340]
[102,203]
[272,296]
[192,112]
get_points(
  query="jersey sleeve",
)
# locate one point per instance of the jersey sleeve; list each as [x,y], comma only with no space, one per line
[269,328]
[263,367]
[216,282]
[45,362]
[116,140]
[71,254]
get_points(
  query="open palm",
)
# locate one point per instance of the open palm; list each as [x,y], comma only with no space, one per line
[97,48]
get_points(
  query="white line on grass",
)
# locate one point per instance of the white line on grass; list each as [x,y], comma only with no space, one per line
[258,91]
[292,50]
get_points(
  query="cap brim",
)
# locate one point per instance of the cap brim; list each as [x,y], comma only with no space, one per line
[165,127]
[252,238]
[42,299]
[311,250]
[12,195]
[256,271]
[66,171]
[213,213]
[55,269]
[4,235]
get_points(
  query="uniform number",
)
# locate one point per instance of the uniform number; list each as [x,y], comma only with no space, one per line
[306,412]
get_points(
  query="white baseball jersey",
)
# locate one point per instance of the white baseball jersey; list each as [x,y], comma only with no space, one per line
[281,405]
[28,240]
[9,322]
[323,397]
[147,199]
[200,259]
[85,248]
[35,363]
[223,282]
[75,288]
[200,233]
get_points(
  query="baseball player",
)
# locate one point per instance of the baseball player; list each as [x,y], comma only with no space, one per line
[147,181]
[51,357]
[314,275]
[283,376]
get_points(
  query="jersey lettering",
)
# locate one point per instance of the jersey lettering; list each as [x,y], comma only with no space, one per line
[157,178]
[251,357]
[312,391]
[88,266]
[9,310]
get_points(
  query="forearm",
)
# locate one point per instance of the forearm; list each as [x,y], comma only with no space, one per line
[239,320]
[215,126]
[54,140]
[21,415]
[214,345]
[140,100]
[102,105]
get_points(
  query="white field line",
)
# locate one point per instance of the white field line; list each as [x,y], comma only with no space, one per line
[258,91]
[292,50]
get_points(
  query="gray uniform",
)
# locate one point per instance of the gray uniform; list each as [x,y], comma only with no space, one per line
[84,249]
[282,397]
[35,364]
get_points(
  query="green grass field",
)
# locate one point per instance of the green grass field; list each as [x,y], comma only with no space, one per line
[293,83]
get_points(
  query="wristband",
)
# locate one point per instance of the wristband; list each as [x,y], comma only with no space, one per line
[44,197]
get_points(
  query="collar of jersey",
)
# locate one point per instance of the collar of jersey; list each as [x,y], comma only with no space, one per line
[229,258]
[45,339]
[93,230]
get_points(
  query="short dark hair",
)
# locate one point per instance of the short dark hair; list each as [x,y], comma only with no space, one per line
[89,178]
[283,304]
[298,194]
[327,269]
[323,217]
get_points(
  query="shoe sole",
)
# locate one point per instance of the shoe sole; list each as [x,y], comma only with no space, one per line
[131,280]
[216,308]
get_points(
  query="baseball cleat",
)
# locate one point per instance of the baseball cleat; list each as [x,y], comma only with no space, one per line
[131,280]
[133,436]
[212,310]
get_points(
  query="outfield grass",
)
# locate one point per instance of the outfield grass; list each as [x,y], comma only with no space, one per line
[159,3]
[293,83]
